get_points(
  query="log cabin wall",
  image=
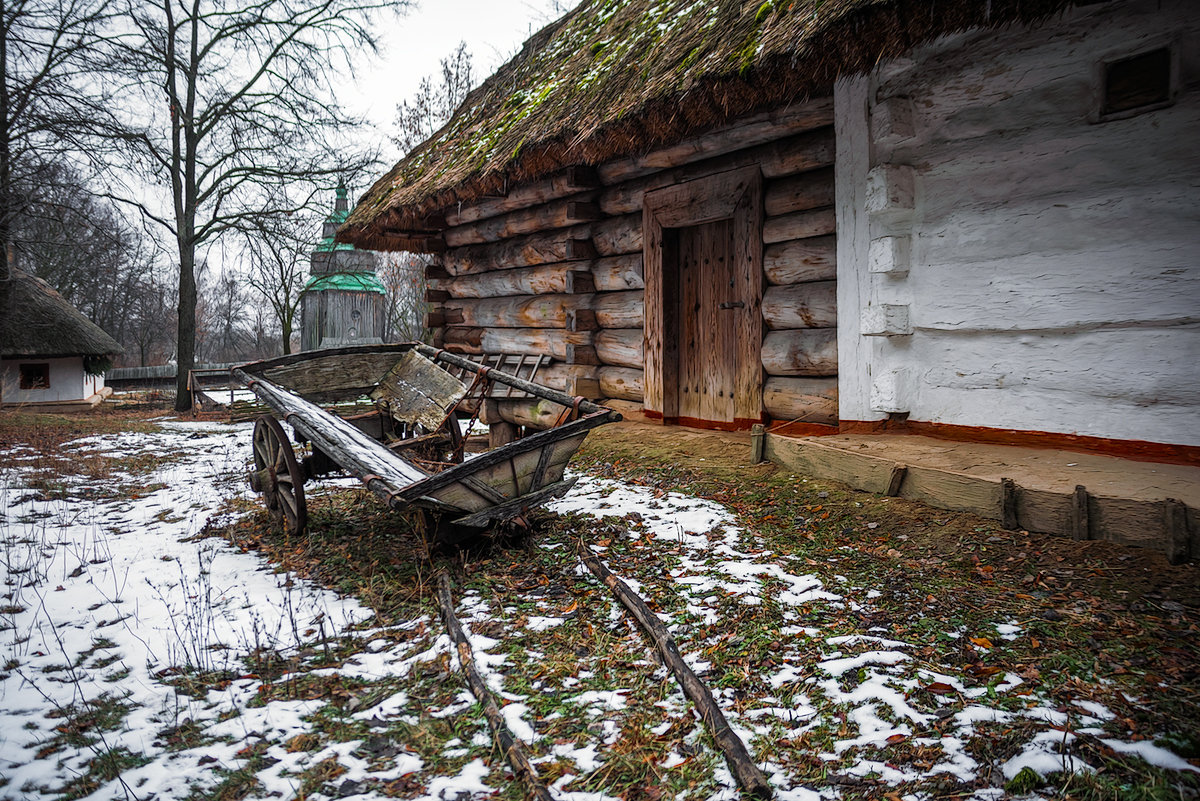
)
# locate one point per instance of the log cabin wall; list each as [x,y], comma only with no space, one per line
[555,268]
[1010,255]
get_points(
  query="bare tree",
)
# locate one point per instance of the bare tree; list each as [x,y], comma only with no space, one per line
[231,106]
[45,109]
[278,255]
[437,98]
[403,277]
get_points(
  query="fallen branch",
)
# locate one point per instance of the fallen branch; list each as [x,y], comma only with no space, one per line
[747,774]
[509,745]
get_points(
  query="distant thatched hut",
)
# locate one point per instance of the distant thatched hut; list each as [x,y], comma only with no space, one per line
[50,354]
[975,219]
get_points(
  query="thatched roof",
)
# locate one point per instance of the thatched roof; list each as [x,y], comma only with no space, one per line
[615,78]
[36,322]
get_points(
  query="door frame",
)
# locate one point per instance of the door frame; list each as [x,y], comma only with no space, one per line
[735,195]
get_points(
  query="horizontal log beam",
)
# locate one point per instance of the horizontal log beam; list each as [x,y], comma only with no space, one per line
[615,273]
[568,182]
[808,352]
[800,260]
[808,151]
[530,412]
[799,225]
[610,237]
[812,400]
[520,311]
[621,382]
[620,347]
[744,133]
[619,309]
[810,305]
[545,279]
[807,190]
[478,341]
[546,217]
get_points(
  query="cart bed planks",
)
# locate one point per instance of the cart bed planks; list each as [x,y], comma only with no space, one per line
[416,389]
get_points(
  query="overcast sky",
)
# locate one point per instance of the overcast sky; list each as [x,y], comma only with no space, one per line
[412,45]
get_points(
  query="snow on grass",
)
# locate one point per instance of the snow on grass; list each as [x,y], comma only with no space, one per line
[123,634]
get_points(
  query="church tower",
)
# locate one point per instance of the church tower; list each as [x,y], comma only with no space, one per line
[343,302]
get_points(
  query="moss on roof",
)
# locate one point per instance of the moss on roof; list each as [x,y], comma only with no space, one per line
[617,77]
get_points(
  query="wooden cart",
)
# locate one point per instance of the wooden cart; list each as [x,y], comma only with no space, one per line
[410,449]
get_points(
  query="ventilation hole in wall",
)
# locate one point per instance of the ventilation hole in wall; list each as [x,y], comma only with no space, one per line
[1138,83]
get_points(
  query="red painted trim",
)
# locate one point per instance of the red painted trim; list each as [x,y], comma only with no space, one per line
[798,429]
[1137,450]
[714,425]
[652,415]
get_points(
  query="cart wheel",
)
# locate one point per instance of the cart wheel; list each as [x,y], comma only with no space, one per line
[277,474]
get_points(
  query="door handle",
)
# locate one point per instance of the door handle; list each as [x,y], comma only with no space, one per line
[733,304]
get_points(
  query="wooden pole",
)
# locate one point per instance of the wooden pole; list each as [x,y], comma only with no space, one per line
[747,774]
[509,745]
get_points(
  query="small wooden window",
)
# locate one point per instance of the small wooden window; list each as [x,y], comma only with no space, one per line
[1138,83]
[35,376]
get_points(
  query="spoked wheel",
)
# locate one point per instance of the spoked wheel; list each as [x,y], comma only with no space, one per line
[277,474]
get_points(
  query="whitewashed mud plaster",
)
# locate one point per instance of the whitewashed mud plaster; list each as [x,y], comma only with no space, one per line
[1048,261]
[68,381]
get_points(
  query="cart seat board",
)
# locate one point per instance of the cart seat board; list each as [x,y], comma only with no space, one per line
[417,391]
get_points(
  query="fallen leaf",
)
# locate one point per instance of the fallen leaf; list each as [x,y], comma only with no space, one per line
[982,642]
[940,688]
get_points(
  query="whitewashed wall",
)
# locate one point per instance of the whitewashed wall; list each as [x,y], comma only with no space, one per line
[1004,260]
[68,381]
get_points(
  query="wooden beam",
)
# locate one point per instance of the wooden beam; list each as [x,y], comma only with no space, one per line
[808,305]
[800,260]
[899,471]
[800,225]
[581,320]
[777,159]
[801,192]
[749,778]
[509,745]
[556,214]
[744,133]
[1081,528]
[805,351]
[621,347]
[810,400]
[624,383]
[619,309]
[568,182]
[1175,523]
[1008,504]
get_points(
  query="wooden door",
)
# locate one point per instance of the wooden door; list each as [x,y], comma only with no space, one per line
[707,316]
[702,256]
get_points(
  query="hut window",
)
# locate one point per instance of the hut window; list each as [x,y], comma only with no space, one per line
[1138,83]
[35,376]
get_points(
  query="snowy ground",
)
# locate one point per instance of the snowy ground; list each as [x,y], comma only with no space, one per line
[112,605]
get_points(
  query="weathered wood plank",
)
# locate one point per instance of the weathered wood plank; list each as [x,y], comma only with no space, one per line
[616,273]
[808,151]
[811,400]
[745,133]
[801,192]
[621,347]
[800,225]
[624,383]
[800,260]
[519,311]
[619,309]
[805,351]
[555,214]
[568,182]
[808,305]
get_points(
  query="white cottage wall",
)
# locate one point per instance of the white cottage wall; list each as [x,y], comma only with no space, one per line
[68,381]
[1030,268]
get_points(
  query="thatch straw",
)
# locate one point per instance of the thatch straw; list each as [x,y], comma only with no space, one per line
[618,77]
[36,322]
